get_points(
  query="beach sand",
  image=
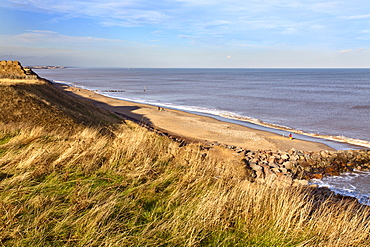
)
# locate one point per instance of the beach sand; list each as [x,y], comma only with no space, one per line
[192,127]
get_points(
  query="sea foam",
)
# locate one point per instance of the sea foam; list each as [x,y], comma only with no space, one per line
[348,184]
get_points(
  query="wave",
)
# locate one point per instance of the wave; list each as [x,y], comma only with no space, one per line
[354,184]
[64,83]
[71,84]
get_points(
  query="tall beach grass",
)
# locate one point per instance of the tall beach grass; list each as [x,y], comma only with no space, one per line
[135,188]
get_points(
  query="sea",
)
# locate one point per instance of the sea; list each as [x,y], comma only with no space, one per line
[331,106]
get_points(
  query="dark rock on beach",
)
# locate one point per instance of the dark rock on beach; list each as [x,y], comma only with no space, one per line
[278,168]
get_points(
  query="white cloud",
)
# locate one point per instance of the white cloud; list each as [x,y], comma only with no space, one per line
[196,15]
[317,27]
[112,12]
[362,50]
[218,23]
[201,2]
[44,36]
[356,17]
[132,18]
[259,23]
[41,31]
[289,30]
[346,51]
[52,41]
[183,36]
[247,44]
[364,37]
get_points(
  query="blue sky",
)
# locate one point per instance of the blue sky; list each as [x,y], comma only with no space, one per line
[187,33]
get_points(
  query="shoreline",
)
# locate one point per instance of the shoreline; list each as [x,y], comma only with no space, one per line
[334,142]
[340,133]
[194,127]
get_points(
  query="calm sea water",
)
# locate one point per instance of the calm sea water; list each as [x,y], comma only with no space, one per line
[333,104]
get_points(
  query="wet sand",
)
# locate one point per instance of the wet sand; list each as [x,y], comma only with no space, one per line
[194,127]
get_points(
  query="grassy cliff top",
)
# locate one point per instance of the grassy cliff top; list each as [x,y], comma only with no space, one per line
[39,103]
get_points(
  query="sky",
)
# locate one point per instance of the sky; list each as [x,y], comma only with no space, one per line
[187,33]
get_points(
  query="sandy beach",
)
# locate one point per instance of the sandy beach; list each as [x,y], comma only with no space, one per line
[192,127]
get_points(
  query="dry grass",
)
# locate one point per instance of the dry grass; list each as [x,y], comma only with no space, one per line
[138,189]
[71,184]
[38,103]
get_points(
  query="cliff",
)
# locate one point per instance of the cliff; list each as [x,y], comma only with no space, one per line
[30,101]
[14,70]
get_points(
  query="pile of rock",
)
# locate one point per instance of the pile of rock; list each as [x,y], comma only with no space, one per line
[14,70]
[277,168]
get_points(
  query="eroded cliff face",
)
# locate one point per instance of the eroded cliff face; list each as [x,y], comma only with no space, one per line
[14,70]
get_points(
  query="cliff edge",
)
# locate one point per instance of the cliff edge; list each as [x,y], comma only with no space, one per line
[14,70]
[28,100]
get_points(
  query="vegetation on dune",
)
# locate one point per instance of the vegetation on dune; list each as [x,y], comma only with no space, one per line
[131,187]
[41,104]
[143,190]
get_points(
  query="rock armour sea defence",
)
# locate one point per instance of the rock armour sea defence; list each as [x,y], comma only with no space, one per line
[297,167]
[14,70]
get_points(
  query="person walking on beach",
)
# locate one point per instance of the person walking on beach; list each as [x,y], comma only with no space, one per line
[290,136]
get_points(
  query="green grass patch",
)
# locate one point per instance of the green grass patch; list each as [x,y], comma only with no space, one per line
[5,140]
